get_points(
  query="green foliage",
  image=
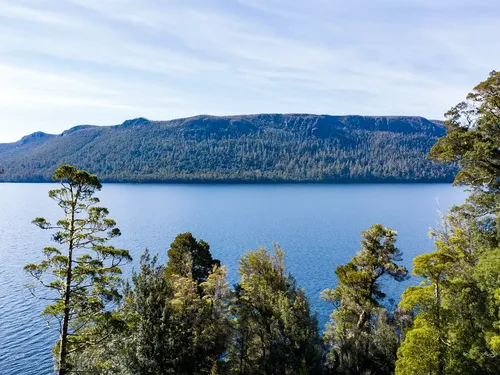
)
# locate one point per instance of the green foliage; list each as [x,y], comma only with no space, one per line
[275,332]
[456,304]
[420,353]
[472,139]
[174,325]
[147,339]
[360,336]
[265,148]
[83,275]
[188,256]
[200,323]
[473,136]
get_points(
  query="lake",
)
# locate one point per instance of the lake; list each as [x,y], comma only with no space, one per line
[318,226]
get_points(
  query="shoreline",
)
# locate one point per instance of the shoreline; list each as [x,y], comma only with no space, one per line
[245,182]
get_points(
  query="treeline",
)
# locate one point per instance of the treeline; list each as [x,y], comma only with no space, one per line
[256,148]
[183,318]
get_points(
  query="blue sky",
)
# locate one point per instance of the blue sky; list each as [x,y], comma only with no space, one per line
[70,62]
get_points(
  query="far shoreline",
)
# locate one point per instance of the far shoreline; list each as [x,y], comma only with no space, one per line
[246,182]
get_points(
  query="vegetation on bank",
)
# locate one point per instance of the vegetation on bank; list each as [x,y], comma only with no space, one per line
[254,148]
[184,318]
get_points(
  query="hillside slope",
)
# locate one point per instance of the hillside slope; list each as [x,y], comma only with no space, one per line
[264,148]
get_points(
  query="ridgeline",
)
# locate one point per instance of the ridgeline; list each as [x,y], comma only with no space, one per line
[247,148]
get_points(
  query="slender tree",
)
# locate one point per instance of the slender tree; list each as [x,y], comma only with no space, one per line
[82,275]
[359,320]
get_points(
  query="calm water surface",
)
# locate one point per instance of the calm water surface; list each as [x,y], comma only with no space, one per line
[317,225]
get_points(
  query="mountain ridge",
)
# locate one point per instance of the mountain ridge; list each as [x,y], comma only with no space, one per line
[238,148]
[145,121]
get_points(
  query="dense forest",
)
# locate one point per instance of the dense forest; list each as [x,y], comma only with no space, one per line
[183,318]
[253,148]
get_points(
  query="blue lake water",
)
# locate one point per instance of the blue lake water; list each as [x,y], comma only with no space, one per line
[318,226]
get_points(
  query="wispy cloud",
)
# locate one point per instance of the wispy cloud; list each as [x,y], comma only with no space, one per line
[94,61]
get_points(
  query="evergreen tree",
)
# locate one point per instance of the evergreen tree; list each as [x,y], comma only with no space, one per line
[487,275]
[472,139]
[148,341]
[275,332]
[144,344]
[82,276]
[188,256]
[200,323]
[174,324]
[456,306]
[360,336]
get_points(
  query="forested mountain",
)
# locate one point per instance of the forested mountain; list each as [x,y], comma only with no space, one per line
[265,148]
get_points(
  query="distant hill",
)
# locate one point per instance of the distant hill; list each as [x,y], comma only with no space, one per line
[249,148]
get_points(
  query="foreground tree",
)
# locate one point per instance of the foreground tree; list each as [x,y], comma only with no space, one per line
[275,332]
[142,345]
[456,308]
[200,323]
[187,256]
[472,139]
[82,276]
[361,336]
[174,323]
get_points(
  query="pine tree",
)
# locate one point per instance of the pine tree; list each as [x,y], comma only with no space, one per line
[82,276]
[359,320]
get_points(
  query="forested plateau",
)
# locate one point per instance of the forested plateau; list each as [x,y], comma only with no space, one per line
[247,148]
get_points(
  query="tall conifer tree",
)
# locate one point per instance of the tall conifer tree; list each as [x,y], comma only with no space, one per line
[81,276]
[359,314]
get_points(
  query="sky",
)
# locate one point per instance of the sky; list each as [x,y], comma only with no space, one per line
[69,62]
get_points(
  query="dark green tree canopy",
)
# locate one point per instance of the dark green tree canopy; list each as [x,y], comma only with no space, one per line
[274,329]
[173,325]
[187,255]
[473,140]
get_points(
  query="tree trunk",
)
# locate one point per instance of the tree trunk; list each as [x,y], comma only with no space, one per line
[63,352]
[64,332]
[363,318]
